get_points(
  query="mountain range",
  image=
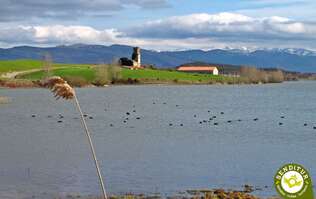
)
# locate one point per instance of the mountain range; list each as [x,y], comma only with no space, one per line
[300,60]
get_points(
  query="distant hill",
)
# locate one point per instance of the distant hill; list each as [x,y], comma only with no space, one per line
[288,59]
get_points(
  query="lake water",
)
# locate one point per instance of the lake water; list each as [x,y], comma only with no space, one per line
[154,153]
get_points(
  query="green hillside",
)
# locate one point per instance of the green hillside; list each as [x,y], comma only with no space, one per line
[26,64]
[144,75]
[88,74]
[84,72]
[19,65]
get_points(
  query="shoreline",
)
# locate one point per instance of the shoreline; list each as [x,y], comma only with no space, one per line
[27,84]
[188,194]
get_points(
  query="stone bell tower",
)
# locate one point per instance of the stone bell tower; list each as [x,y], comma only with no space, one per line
[136,57]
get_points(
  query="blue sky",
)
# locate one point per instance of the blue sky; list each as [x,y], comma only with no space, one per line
[160,24]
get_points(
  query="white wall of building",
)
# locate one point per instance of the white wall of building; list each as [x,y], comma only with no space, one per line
[215,71]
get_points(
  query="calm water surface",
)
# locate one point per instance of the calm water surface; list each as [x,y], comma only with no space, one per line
[162,147]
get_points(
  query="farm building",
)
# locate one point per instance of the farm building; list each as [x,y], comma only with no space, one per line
[199,69]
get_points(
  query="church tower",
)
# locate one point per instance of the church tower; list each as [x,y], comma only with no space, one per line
[136,57]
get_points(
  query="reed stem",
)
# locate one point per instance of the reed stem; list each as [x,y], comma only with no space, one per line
[91,146]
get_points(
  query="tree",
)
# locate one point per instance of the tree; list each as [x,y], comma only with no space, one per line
[47,65]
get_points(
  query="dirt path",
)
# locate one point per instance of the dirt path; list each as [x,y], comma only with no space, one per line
[12,75]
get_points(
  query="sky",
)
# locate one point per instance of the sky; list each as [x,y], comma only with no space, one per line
[160,24]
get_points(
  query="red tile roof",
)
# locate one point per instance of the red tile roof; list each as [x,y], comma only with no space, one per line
[196,68]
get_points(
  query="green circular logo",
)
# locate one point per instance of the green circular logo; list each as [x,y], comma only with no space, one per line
[293,181]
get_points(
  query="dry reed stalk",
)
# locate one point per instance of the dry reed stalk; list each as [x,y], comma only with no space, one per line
[62,89]
[4,100]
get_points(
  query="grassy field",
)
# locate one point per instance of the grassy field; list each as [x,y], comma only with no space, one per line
[88,74]
[19,65]
[26,64]
[164,75]
[84,72]
[143,76]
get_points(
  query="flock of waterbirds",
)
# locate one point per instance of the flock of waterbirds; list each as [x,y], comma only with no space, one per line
[212,119]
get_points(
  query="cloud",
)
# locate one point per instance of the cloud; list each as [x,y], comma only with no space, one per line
[57,34]
[226,27]
[69,9]
[149,4]
[11,35]
[63,35]
[203,31]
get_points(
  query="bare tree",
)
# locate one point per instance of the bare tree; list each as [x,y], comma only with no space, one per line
[47,65]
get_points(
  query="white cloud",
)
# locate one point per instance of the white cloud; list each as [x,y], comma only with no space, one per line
[73,34]
[61,35]
[226,26]
[202,31]
[57,34]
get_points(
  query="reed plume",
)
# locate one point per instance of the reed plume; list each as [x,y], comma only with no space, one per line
[62,89]
[59,87]
[52,81]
